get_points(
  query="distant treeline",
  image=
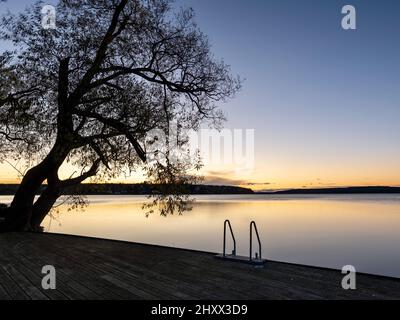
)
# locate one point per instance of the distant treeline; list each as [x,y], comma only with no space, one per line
[347,190]
[145,189]
[135,189]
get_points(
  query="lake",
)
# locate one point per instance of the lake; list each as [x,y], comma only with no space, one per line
[320,230]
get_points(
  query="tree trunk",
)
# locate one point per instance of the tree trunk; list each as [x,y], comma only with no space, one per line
[43,206]
[19,216]
[23,214]
[19,213]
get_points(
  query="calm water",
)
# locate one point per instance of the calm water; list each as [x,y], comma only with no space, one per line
[329,231]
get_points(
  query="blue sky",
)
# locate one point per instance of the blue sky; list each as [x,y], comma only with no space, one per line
[324,102]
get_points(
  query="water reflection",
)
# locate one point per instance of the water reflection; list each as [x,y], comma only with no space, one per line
[330,231]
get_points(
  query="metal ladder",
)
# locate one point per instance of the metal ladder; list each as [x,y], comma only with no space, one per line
[228,223]
[233,257]
[253,226]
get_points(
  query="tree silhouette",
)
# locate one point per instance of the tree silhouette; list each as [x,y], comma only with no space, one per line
[89,91]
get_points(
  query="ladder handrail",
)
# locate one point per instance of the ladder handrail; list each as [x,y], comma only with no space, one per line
[227,222]
[251,240]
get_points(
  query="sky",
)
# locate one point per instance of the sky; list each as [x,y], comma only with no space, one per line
[323,101]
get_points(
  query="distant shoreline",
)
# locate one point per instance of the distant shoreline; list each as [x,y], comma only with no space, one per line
[344,190]
[134,189]
[146,189]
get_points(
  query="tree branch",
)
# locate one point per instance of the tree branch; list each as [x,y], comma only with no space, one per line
[117,125]
[101,52]
[74,181]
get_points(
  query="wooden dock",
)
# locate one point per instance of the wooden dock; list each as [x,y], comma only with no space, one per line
[101,269]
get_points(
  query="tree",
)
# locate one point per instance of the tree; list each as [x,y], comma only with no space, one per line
[89,91]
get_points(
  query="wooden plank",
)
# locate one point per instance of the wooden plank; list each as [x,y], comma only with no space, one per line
[29,288]
[100,269]
[14,291]
[3,293]
[80,269]
[65,283]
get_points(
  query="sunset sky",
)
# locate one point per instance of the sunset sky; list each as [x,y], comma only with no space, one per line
[324,102]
